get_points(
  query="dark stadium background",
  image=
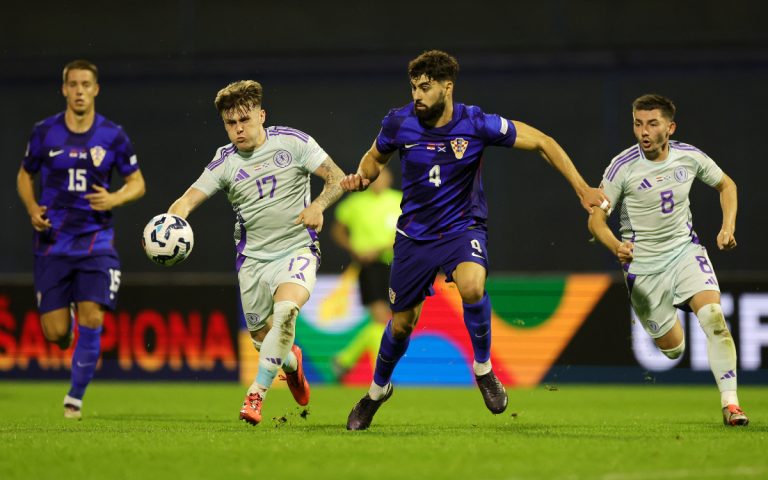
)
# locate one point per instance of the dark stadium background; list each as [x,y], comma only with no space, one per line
[569,68]
[334,70]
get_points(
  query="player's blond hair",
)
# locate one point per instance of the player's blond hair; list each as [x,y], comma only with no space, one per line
[243,95]
[80,64]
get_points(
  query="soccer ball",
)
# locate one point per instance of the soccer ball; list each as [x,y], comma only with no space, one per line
[167,239]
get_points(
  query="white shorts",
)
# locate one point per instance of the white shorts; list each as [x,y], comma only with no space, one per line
[259,280]
[656,297]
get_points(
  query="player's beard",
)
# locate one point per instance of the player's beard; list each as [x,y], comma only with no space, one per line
[430,114]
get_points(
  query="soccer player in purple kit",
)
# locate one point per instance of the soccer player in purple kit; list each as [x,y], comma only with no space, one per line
[443,221]
[76,265]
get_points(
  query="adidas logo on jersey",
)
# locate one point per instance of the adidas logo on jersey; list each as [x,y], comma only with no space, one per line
[241,175]
[644,184]
[711,281]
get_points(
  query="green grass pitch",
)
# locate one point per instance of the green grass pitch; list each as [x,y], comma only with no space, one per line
[190,431]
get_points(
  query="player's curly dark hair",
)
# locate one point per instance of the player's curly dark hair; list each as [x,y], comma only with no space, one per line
[80,64]
[653,101]
[242,95]
[435,64]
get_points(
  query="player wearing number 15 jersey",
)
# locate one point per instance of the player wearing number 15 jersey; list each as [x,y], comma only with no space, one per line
[443,220]
[265,174]
[76,152]
[665,266]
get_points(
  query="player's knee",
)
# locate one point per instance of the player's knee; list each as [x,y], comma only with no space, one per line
[91,318]
[401,331]
[712,320]
[55,335]
[473,293]
[675,352]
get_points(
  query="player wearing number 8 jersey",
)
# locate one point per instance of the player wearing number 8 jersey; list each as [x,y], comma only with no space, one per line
[265,174]
[443,220]
[665,266]
[76,264]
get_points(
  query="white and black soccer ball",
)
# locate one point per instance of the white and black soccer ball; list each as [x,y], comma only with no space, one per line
[167,239]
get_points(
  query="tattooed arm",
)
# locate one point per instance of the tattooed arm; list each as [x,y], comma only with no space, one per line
[312,216]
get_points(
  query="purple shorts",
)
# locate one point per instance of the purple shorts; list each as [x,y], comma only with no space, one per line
[417,262]
[60,280]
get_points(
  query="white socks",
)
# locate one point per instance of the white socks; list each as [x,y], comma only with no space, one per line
[720,350]
[481,369]
[276,346]
[376,392]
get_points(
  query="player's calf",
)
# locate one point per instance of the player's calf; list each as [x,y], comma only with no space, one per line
[676,352]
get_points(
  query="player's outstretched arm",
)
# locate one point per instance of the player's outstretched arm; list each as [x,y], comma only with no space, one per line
[729,204]
[185,204]
[133,189]
[368,171]
[312,216]
[598,226]
[25,185]
[529,138]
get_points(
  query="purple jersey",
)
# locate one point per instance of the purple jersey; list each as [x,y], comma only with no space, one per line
[442,185]
[70,164]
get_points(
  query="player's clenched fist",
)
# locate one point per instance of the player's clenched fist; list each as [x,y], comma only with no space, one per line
[354,182]
[624,251]
[726,240]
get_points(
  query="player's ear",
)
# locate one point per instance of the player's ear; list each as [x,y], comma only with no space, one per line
[262,115]
[96,90]
[672,127]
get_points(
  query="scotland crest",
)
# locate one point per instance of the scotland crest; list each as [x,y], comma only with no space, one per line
[282,158]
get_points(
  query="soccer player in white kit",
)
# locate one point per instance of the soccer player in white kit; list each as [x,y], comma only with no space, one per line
[265,174]
[665,266]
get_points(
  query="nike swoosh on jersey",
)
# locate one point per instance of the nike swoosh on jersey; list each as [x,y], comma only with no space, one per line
[478,256]
[410,145]
[53,153]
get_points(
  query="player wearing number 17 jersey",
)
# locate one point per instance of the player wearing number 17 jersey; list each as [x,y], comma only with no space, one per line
[265,174]
[443,220]
[75,153]
[665,266]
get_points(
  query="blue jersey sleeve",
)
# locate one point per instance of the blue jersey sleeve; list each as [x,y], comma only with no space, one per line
[385,140]
[33,157]
[126,161]
[498,131]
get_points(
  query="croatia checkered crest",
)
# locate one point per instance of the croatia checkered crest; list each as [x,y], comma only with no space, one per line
[167,239]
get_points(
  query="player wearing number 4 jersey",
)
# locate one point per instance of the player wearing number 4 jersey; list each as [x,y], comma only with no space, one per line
[665,266]
[76,265]
[265,174]
[443,220]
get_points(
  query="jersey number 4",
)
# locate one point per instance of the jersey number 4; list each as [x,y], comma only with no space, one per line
[434,175]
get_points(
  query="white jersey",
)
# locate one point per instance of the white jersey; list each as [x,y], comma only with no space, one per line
[267,189]
[655,210]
